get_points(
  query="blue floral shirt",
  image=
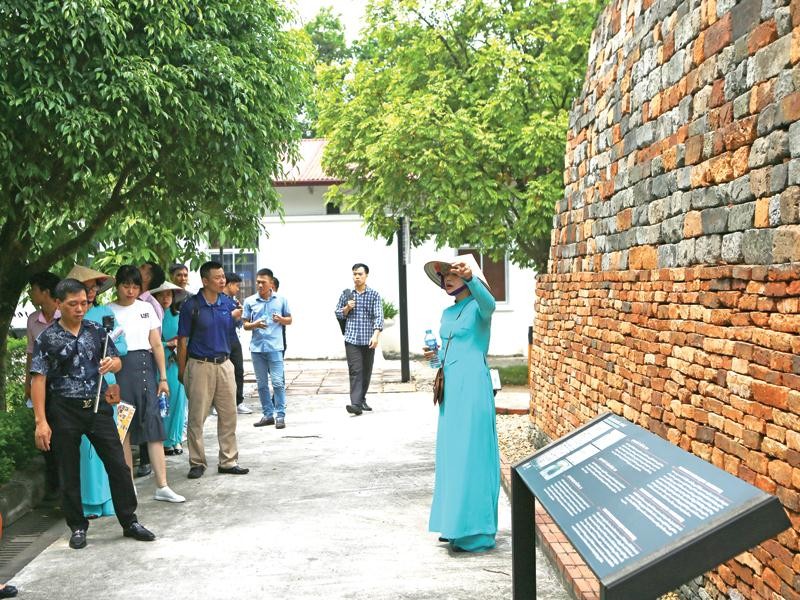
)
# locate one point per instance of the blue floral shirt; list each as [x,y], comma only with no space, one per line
[71,363]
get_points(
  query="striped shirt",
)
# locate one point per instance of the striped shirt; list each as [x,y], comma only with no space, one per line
[364,319]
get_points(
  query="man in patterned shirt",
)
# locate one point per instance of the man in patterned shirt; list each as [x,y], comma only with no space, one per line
[362,310]
[66,367]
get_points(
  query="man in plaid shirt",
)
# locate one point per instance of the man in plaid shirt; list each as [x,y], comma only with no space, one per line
[362,310]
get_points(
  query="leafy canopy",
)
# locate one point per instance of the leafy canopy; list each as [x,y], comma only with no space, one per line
[456,117]
[140,128]
[140,123]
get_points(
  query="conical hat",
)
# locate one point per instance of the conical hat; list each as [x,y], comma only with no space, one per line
[82,274]
[441,265]
[166,287]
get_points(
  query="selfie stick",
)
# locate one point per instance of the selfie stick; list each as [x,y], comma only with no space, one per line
[113,335]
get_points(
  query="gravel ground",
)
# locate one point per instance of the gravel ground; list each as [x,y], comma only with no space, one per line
[514,435]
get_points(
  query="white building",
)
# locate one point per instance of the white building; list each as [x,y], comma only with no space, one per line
[313,249]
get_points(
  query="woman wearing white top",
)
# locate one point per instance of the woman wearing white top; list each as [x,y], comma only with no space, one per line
[137,379]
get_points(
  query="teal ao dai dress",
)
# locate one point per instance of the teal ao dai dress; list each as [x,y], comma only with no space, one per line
[95,491]
[467,480]
[174,421]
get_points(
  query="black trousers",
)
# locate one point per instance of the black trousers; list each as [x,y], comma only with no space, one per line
[359,364]
[68,422]
[237,358]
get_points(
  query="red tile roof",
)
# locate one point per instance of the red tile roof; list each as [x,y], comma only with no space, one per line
[308,168]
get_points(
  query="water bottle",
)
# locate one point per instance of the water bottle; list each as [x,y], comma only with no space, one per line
[432,344]
[163,404]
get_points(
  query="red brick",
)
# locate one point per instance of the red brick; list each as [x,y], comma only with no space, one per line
[761,36]
[719,35]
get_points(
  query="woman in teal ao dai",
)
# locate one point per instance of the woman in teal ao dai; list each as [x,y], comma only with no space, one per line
[174,421]
[95,490]
[467,480]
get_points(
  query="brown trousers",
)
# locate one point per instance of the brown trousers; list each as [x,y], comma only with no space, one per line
[210,385]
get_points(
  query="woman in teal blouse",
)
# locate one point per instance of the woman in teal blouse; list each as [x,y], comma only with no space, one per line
[467,480]
[174,421]
[95,491]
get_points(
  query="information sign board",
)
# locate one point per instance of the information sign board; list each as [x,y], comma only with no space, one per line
[645,515]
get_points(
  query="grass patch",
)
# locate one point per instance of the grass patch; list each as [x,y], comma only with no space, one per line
[514,375]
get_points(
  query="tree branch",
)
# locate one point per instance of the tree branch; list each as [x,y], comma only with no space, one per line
[115,202]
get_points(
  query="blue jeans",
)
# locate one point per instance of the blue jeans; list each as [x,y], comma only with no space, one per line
[270,365]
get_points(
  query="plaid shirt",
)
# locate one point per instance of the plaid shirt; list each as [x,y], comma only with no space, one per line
[364,319]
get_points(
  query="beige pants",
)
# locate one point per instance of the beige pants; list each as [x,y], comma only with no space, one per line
[210,385]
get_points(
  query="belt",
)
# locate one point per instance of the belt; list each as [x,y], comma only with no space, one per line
[217,360]
[82,402]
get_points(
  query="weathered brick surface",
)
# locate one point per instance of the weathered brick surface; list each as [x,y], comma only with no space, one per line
[672,295]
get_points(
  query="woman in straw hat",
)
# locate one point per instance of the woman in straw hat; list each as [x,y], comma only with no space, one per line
[467,483]
[95,491]
[174,421]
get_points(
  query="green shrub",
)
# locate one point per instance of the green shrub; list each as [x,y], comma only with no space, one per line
[16,441]
[514,375]
[389,310]
[15,373]
[16,425]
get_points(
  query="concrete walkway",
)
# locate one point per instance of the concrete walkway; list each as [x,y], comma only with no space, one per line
[334,507]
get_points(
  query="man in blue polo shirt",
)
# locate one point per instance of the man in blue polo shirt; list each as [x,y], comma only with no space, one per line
[205,370]
[265,314]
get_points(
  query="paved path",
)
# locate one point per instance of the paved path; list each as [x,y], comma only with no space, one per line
[334,507]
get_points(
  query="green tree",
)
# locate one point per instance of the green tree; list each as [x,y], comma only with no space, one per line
[139,126]
[326,33]
[456,118]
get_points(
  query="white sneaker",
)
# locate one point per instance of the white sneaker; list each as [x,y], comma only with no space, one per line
[243,409]
[213,411]
[165,494]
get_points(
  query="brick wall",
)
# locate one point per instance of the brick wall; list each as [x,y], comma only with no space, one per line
[673,292]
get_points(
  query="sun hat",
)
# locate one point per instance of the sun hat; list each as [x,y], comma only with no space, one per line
[436,268]
[82,274]
[167,286]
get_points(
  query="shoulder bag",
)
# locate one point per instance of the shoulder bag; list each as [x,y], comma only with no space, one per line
[438,380]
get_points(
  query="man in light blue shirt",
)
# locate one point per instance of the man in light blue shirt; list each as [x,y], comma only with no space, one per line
[265,314]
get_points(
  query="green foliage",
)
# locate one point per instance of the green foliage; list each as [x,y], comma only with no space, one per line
[135,128]
[15,373]
[389,309]
[326,33]
[514,375]
[16,426]
[16,441]
[456,117]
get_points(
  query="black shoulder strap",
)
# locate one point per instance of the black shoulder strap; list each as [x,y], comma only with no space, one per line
[195,317]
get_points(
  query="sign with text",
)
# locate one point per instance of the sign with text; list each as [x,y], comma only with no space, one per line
[645,515]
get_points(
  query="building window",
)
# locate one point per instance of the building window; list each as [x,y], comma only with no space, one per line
[496,272]
[331,209]
[242,263]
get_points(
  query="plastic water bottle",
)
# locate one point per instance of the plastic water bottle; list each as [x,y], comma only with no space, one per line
[163,404]
[432,344]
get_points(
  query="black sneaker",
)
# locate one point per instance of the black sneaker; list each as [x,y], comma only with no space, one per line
[353,409]
[143,470]
[264,422]
[280,423]
[365,406]
[196,472]
[78,539]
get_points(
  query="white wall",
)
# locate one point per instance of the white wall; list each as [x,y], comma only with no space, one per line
[312,256]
